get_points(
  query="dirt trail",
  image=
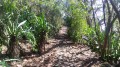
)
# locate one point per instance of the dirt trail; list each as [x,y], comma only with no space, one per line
[61,52]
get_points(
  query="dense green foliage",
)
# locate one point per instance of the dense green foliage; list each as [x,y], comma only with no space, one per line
[27,20]
[36,20]
[78,25]
[85,27]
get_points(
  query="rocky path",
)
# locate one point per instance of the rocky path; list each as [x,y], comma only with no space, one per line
[61,52]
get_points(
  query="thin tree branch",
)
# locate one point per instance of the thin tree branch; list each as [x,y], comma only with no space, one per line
[115,9]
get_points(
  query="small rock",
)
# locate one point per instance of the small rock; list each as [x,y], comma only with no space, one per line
[4,49]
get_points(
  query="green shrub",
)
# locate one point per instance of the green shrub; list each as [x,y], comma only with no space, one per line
[77,24]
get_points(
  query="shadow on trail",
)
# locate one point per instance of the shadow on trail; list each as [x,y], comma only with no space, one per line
[63,41]
[89,62]
[62,52]
[78,59]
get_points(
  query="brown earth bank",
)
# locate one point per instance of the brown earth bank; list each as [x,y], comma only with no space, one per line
[61,52]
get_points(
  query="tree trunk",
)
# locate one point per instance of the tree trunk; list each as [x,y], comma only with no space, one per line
[41,45]
[13,49]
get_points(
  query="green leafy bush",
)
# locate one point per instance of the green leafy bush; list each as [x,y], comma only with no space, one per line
[77,23]
[18,18]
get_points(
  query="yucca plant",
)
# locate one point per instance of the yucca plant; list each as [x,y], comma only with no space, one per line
[13,31]
[36,30]
[6,7]
[40,30]
[12,25]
